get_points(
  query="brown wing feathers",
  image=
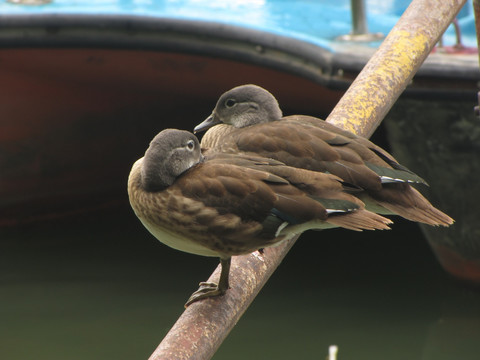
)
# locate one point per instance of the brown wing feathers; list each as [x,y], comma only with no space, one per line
[295,141]
[304,146]
[407,201]
[251,193]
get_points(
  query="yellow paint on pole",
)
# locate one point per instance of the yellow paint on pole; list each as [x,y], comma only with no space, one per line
[392,67]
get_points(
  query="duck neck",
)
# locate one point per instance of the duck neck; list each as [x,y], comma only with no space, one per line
[154,174]
[214,137]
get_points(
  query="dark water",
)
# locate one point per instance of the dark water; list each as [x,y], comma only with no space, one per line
[100,287]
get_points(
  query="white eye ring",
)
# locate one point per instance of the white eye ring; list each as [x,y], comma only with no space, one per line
[190,145]
[230,103]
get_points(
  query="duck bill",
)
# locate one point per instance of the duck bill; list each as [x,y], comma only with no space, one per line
[206,124]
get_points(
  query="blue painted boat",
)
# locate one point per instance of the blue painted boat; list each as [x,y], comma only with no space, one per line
[299,37]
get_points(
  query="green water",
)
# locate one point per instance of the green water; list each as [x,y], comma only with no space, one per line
[100,287]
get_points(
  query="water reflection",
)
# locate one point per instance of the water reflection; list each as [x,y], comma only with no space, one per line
[101,287]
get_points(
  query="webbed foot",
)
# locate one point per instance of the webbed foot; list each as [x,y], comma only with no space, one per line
[206,290]
[210,289]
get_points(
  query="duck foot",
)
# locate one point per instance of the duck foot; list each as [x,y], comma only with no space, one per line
[206,290]
[210,289]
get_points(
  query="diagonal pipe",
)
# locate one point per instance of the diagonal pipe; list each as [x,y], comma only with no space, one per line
[393,65]
[204,325]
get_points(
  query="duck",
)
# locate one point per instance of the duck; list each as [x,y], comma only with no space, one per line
[248,120]
[223,205]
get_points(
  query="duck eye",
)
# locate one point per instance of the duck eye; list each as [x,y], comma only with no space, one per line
[190,145]
[230,103]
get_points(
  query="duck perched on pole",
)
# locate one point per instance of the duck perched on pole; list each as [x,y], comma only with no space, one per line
[248,120]
[224,205]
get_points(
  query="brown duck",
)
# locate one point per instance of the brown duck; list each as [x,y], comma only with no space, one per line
[224,205]
[247,120]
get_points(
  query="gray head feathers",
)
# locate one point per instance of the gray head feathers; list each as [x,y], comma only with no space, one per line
[170,154]
[247,105]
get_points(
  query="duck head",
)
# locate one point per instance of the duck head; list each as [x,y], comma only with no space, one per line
[243,106]
[170,154]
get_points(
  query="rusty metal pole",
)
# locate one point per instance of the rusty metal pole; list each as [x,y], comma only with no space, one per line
[203,326]
[201,329]
[392,67]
